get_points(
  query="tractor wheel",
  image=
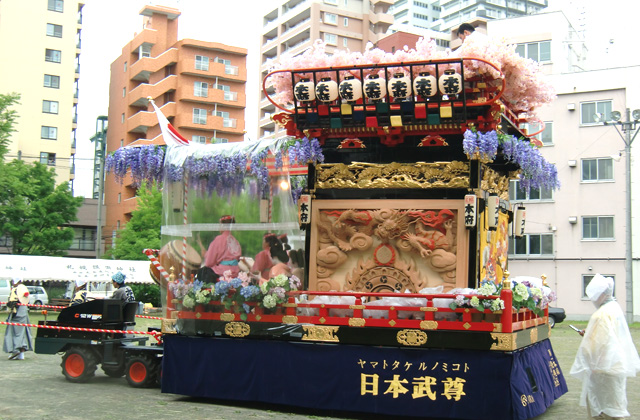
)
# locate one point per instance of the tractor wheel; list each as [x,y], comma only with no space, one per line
[113,372]
[142,371]
[79,364]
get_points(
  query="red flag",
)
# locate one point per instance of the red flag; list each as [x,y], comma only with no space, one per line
[169,133]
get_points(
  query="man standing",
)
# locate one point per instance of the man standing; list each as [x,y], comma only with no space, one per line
[606,356]
[17,339]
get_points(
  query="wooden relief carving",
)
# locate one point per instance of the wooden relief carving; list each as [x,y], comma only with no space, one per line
[385,249]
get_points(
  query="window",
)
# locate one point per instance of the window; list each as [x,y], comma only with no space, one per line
[331,2]
[202,63]
[330,18]
[532,244]
[48,158]
[222,114]
[546,137]
[199,139]
[597,227]
[538,51]
[56,5]
[594,170]
[200,89]
[534,194]
[122,118]
[84,239]
[199,116]
[588,111]
[53,56]
[50,107]
[331,39]
[119,198]
[346,22]
[345,42]
[124,92]
[144,50]
[54,30]
[49,133]
[223,61]
[586,279]
[51,81]
[125,66]
[219,140]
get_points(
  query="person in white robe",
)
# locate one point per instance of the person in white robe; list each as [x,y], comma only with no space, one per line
[607,356]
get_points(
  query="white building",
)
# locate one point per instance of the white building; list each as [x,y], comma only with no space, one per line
[580,229]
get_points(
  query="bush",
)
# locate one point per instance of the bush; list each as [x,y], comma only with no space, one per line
[147,293]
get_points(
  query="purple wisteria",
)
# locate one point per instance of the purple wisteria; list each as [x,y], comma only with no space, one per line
[214,172]
[144,163]
[536,172]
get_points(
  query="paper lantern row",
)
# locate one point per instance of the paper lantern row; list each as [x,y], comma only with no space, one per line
[374,88]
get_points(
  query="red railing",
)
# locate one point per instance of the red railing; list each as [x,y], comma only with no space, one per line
[361,314]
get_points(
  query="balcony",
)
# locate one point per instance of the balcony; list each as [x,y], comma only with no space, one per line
[214,96]
[381,20]
[141,121]
[214,123]
[216,70]
[147,36]
[142,69]
[128,205]
[138,96]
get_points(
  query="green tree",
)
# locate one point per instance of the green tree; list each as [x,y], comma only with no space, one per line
[33,211]
[143,230]
[7,119]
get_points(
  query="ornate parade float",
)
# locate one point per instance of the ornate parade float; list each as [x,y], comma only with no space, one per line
[390,198]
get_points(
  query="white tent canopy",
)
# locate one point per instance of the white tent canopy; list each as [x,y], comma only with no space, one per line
[38,268]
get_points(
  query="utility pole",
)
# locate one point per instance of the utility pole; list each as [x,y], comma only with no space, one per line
[100,139]
[628,127]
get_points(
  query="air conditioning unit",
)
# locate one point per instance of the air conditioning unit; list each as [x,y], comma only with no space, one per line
[572,163]
[571,107]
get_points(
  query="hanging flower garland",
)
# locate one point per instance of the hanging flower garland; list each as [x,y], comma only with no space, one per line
[536,172]
[214,169]
[144,163]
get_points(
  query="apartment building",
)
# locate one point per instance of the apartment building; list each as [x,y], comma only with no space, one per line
[579,230]
[198,85]
[455,12]
[418,14]
[295,25]
[42,38]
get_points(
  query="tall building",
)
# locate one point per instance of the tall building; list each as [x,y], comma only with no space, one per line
[198,85]
[295,25]
[455,12]
[43,37]
[418,14]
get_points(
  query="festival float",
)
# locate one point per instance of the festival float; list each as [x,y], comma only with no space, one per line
[363,264]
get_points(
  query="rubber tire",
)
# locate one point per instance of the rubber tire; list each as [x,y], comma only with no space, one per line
[114,372]
[552,321]
[37,302]
[142,371]
[79,364]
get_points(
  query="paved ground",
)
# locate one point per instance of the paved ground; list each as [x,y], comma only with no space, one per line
[36,389]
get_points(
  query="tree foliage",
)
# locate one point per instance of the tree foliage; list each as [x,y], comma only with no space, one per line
[7,120]
[33,210]
[143,230]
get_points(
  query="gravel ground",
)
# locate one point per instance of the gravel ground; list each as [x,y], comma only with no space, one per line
[36,389]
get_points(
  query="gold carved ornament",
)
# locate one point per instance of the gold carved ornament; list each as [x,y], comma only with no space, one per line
[419,175]
[227,316]
[289,319]
[325,334]
[533,334]
[504,341]
[237,329]
[169,326]
[411,337]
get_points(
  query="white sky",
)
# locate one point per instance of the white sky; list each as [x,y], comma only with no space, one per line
[107,26]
